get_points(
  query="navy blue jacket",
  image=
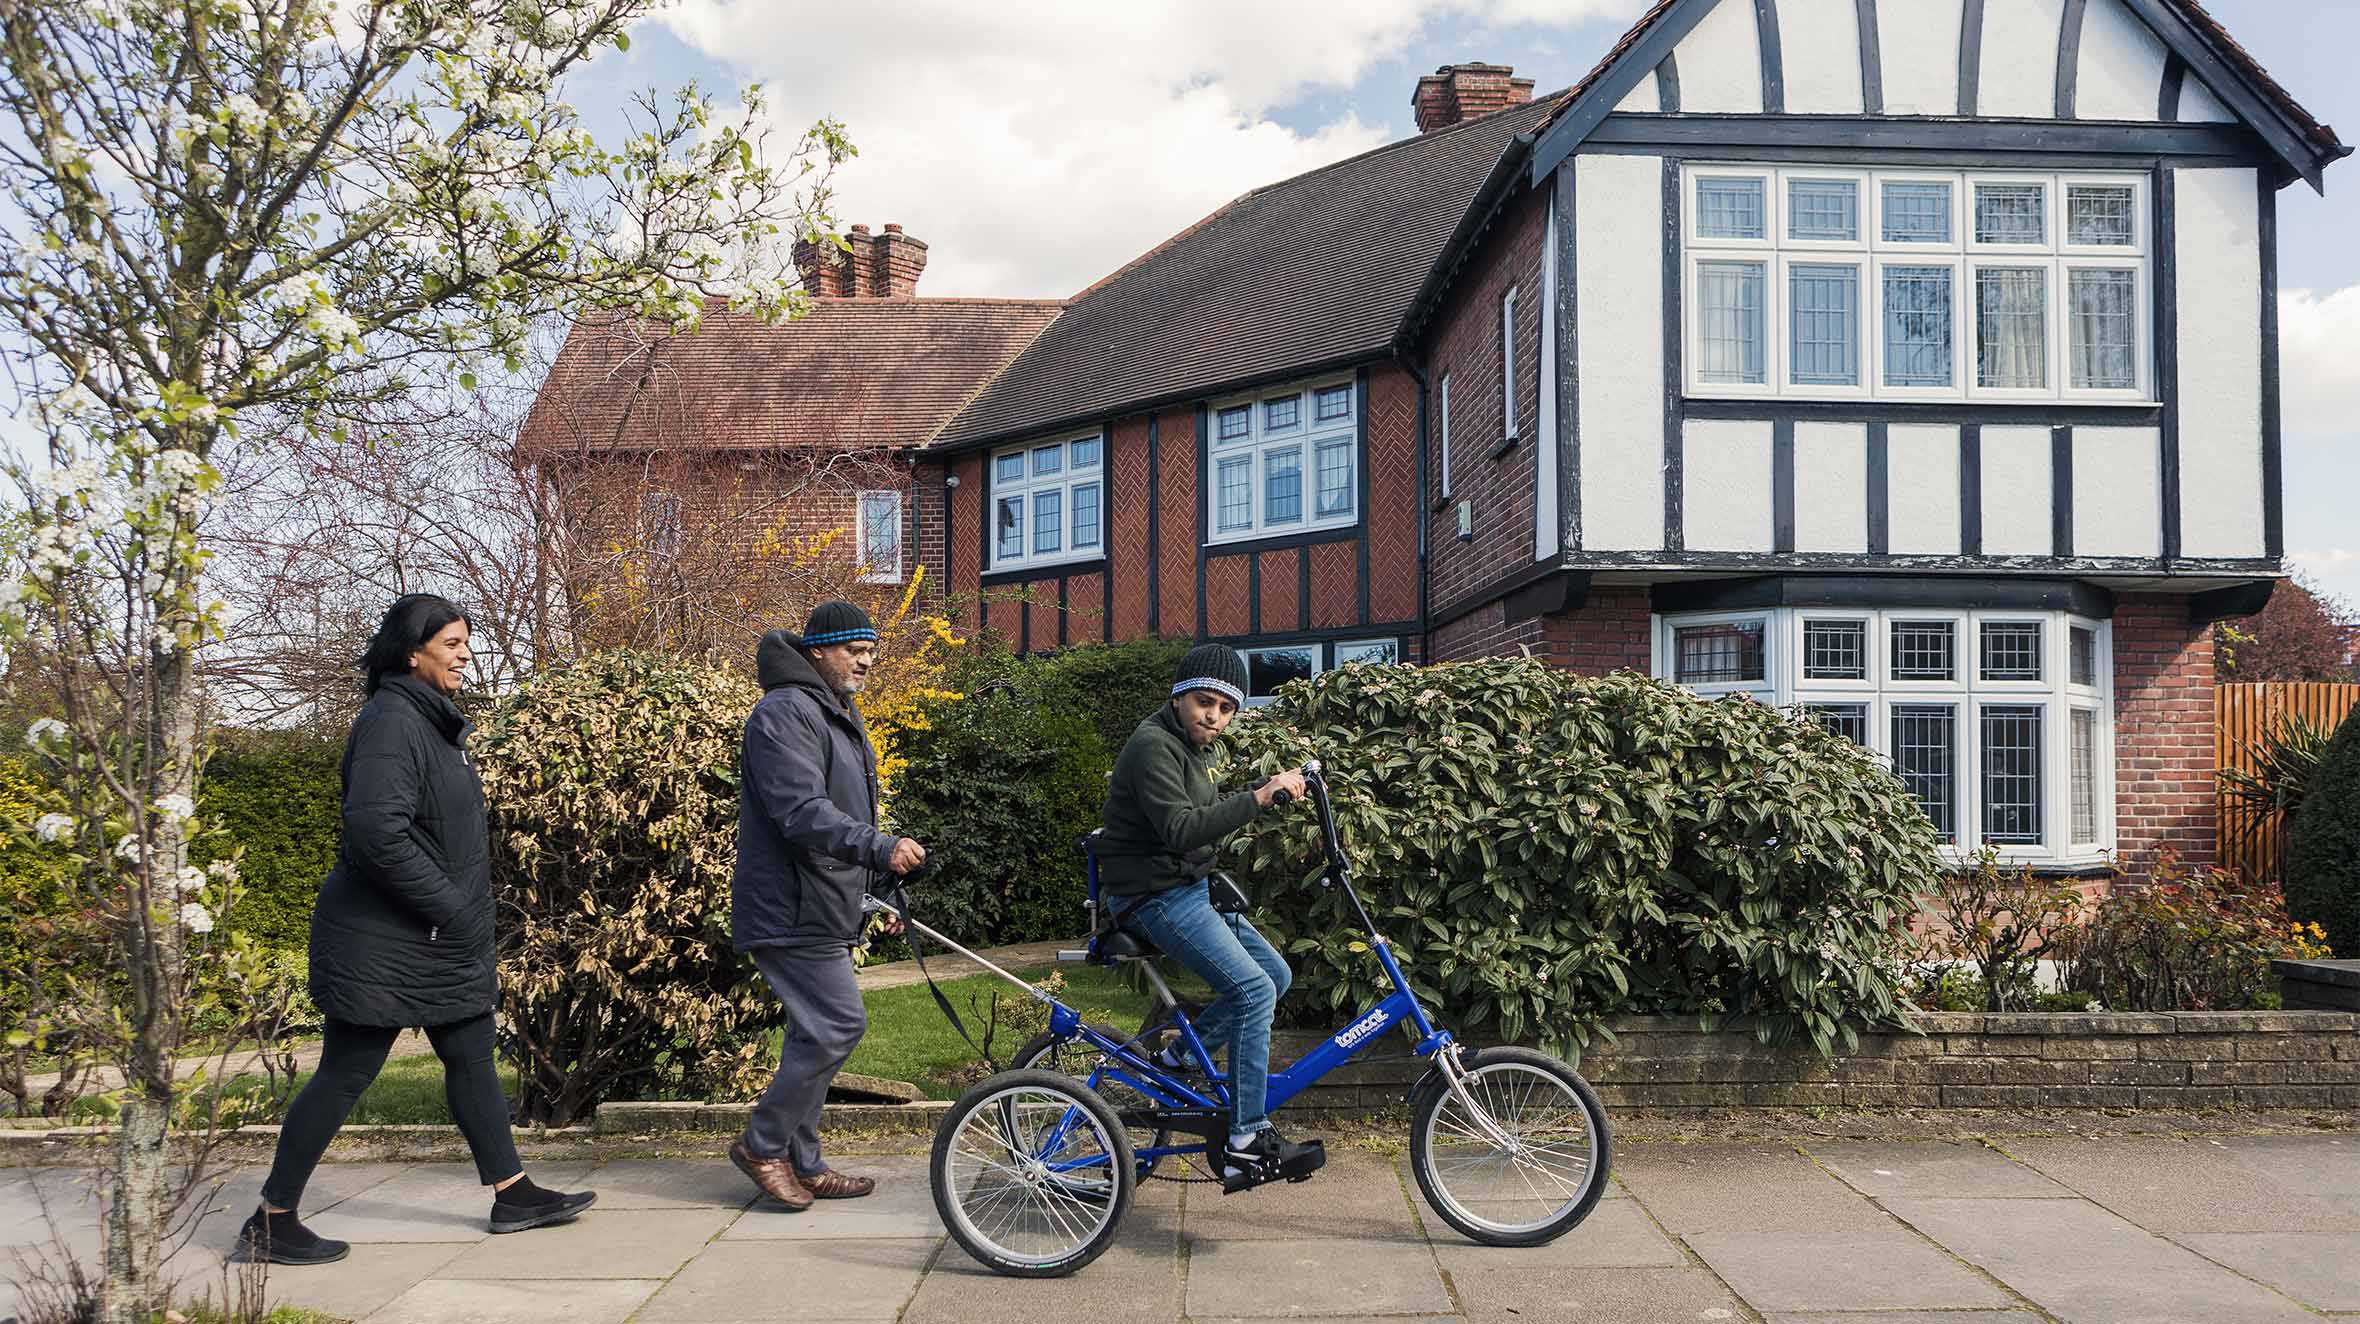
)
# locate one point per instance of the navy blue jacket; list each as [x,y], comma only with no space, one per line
[808,842]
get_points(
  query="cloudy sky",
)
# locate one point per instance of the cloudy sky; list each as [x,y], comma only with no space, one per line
[1037,146]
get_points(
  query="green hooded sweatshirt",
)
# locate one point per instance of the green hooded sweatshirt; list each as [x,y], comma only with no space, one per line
[1164,820]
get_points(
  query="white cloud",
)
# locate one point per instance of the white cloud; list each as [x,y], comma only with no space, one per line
[2319,359]
[1037,145]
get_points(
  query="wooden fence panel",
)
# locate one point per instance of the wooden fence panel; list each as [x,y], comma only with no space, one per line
[2248,713]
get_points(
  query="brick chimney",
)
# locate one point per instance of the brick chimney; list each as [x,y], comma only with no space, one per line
[883,266]
[1458,92]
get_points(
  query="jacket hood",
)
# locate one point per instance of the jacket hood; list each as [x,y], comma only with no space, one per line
[780,661]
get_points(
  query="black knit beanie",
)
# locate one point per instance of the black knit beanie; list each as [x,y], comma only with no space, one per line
[1215,667]
[837,622]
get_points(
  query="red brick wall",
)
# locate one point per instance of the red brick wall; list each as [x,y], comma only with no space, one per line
[1466,344]
[1393,504]
[1126,526]
[1228,611]
[1176,523]
[1282,590]
[1607,633]
[2163,734]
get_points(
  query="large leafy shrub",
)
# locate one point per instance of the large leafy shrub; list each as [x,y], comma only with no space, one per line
[613,787]
[278,801]
[2185,940]
[1544,851]
[1109,686]
[2323,854]
[999,788]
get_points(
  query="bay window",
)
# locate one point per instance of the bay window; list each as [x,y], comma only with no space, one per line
[1806,282]
[1285,461]
[1998,723]
[1046,503]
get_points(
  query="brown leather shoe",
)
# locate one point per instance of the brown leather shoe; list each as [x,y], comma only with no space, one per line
[829,1184]
[776,1177]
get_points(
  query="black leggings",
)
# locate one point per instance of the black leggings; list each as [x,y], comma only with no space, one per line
[351,1058]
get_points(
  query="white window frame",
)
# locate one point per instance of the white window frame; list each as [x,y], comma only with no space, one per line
[1259,442]
[1964,255]
[1508,363]
[870,572]
[1443,390]
[1065,482]
[1967,694]
[1324,653]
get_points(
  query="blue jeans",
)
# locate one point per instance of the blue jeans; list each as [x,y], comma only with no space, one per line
[1247,976]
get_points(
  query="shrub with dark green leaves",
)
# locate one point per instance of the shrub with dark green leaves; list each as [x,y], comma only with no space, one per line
[999,788]
[2323,853]
[1111,686]
[1544,851]
[613,789]
[276,800]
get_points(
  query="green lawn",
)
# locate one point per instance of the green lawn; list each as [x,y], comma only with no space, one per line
[909,1039]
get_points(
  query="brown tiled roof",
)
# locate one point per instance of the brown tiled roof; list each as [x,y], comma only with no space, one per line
[1313,271]
[853,372]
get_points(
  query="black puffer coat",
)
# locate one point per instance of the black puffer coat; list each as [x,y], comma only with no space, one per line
[402,934]
[808,841]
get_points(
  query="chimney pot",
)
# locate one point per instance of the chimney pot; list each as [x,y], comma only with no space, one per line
[893,227]
[871,266]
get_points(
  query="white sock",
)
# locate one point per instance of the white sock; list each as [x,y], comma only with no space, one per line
[1242,1139]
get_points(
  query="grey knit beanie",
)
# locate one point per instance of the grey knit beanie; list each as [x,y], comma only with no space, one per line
[1216,667]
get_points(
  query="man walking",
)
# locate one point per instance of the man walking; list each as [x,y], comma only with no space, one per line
[808,846]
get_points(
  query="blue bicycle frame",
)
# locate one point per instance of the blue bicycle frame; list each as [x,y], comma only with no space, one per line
[1122,1062]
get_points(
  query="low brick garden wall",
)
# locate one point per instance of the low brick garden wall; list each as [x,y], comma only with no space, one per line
[2177,1061]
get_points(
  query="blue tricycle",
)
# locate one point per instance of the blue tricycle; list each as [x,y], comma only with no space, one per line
[1034,1168]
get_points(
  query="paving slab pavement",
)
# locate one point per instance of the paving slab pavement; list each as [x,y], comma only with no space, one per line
[2146,1231]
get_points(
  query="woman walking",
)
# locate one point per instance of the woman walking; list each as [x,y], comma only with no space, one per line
[402,934]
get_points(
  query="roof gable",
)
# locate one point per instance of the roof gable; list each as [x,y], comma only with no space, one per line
[2194,39]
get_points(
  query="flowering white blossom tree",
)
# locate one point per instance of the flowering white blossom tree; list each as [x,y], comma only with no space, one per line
[221,209]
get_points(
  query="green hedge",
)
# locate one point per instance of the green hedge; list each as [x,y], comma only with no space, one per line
[279,799]
[999,788]
[1544,851]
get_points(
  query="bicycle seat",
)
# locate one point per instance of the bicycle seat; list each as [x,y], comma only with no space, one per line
[1120,944]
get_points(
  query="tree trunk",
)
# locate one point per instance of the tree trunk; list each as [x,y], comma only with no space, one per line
[138,1212]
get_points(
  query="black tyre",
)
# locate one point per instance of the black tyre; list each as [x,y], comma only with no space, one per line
[1546,1177]
[1032,1174]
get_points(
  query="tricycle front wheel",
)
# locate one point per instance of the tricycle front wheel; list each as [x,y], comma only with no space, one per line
[1526,1163]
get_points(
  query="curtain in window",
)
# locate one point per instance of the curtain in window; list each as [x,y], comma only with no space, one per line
[2103,303]
[1730,311]
[2012,325]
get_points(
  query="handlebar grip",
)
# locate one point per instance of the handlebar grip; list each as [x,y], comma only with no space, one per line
[1282,798]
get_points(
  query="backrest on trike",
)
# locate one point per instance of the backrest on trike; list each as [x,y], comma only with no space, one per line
[1109,941]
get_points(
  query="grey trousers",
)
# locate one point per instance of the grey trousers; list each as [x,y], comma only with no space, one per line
[825,1020]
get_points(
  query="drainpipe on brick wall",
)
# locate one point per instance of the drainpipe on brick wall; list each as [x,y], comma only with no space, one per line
[1425,636]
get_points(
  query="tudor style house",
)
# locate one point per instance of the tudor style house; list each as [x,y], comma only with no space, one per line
[1911,361]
